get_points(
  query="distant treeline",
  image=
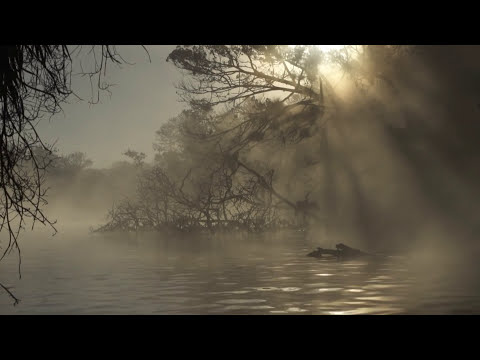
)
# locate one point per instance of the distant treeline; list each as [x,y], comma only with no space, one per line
[76,190]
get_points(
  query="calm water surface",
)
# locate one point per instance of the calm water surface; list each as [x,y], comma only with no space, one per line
[84,274]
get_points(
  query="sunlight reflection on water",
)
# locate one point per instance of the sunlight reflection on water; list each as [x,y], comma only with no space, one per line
[152,275]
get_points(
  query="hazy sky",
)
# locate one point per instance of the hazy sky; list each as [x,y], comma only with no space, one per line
[143,98]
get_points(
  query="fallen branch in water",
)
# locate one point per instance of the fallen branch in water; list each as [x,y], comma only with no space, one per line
[342,252]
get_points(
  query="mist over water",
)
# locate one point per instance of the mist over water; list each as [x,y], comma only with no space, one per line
[394,171]
[78,273]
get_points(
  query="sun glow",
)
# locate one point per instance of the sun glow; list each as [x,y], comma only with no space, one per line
[327,48]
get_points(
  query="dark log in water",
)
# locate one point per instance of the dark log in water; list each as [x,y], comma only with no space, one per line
[342,252]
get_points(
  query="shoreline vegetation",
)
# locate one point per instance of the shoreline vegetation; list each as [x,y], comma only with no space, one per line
[201,226]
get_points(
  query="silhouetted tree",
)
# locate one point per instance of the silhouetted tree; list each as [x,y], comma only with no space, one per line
[254,94]
[137,157]
[194,185]
[249,95]
[228,73]
[77,161]
[34,82]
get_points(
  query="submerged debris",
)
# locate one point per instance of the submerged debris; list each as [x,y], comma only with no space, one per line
[342,252]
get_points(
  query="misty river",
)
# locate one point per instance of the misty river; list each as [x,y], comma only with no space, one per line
[81,273]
